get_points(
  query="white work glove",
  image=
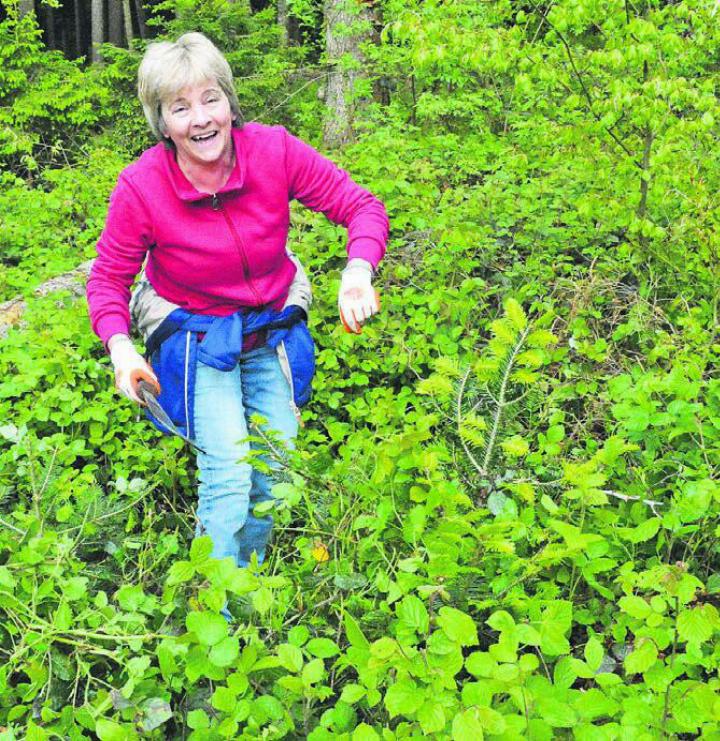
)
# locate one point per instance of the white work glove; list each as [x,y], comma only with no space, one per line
[357,300]
[129,367]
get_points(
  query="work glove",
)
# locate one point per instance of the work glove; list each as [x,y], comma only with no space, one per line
[129,367]
[357,300]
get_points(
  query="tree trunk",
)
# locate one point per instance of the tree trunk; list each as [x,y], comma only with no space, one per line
[11,312]
[140,12]
[49,23]
[115,22]
[348,23]
[97,21]
[283,18]
[78,20]
[25,7]
[127,20]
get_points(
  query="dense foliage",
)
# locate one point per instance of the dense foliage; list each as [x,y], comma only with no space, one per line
[501,518]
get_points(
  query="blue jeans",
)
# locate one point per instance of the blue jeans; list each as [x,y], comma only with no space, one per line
[229,486]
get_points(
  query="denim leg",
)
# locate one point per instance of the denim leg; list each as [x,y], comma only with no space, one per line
[229,487]
[266,392]
[224,483]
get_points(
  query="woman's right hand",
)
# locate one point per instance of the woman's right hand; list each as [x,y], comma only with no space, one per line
[128,365]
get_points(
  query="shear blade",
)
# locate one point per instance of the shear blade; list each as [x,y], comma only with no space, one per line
[159,413]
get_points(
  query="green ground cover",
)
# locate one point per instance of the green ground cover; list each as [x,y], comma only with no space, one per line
[501,518]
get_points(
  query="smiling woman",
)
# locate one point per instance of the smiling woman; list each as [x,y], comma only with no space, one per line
[222,306]
[189,100]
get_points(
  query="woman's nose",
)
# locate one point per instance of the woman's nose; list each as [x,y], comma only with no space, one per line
[199,116]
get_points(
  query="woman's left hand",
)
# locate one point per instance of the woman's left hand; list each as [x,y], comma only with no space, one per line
[357,300]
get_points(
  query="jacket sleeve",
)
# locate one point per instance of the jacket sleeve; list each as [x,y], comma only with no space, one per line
[121,249]
[322,186]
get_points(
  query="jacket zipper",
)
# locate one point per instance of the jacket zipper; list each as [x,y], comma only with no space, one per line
[217,206]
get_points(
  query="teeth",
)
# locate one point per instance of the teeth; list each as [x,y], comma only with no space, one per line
[203,137]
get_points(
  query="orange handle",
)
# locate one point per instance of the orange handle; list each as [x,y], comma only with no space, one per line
[138,375]
[348,328]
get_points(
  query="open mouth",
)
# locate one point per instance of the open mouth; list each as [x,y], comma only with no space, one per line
[199,138]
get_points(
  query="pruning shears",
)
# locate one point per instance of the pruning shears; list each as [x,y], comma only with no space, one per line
[348,328]
[148,389]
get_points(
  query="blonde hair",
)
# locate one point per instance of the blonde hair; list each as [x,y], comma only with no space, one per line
[170,66]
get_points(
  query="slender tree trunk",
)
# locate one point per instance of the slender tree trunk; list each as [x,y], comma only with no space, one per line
[98,29]
[348,23]
[78,20]
[25,7]
[140,12]
[49,23]
[127,20]
[283,18]
[115,22]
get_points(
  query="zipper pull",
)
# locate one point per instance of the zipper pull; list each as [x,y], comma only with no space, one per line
[215,202]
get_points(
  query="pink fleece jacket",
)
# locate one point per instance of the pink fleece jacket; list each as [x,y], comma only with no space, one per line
[218,254]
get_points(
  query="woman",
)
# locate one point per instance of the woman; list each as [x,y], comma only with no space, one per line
[208,206]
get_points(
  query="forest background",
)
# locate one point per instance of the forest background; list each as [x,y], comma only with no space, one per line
[501,518]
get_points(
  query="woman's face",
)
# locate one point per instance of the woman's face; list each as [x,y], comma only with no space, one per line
[199,122]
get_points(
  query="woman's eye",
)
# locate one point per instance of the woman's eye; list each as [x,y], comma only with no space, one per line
[179,109]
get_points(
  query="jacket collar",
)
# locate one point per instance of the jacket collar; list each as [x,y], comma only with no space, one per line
[186,191]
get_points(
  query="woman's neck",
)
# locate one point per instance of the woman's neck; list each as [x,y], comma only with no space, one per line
[209,178]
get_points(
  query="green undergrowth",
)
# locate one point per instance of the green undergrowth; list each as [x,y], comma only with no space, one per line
[501,517]
[496,531]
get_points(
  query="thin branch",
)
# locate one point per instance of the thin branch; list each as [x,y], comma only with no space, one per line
[501,399]
[630,498]
[461,392]
[585,91]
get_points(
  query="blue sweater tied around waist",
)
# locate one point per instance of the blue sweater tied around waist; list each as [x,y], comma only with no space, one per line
[174,349]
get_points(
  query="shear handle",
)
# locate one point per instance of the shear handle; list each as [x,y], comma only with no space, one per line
[348,328]
[142,381]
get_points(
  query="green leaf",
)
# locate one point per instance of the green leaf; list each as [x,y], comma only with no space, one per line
[200,550]
[564,675]
[198,720]
[224,699]
[480,664]
[556,713]
[225,652]
[431,717]
[298,635]
[458,626]
[694,626]
[63,617]
[209,627]
[75,588]
[353,632]
[179,572]
[412,612]
[262,600]
[384,648]
[352,693]
[642,658]
[109,730]
[364,732]
[403,698]
[635,606]
[645,531]
[313,672]
[594,653]
[323,648]
[290,656]
[501,620]
[467,726]
[552,640]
